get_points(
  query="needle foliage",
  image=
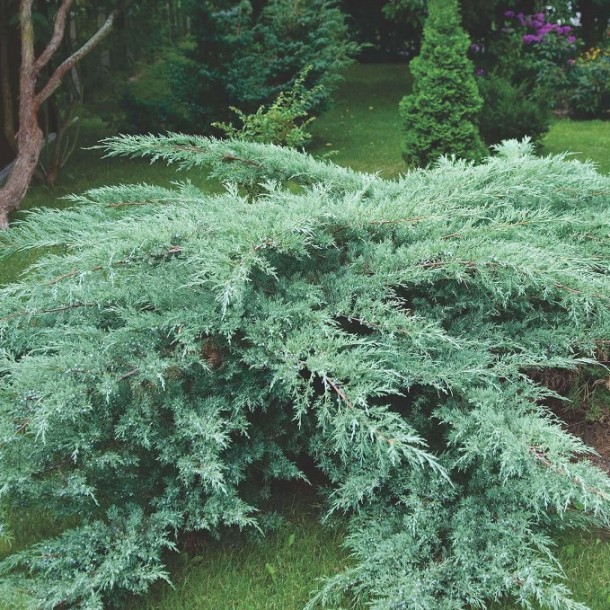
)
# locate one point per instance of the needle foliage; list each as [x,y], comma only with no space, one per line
[440,116]
[174,353]
[247,53]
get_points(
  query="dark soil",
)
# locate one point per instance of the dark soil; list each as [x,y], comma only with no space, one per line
[586,413]
[595,433]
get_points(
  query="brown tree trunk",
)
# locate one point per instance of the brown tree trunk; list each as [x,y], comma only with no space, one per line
[29,144]
[30,137]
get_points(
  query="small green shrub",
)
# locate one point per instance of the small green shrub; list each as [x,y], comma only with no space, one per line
[283,123]
[512,111]
[440,116]
[175,353]
[589,92]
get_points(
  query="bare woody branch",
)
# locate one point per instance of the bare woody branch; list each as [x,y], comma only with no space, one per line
[27,39]
[59,28]
[55,79]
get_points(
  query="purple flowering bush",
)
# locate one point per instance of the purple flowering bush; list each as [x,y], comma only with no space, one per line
[541,30]
[546,54]
[547,49]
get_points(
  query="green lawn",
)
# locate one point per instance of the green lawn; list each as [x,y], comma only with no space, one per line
[278,572]
[363,129]
[587,140]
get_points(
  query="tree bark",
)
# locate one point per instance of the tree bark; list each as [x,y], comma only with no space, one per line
[6,81]
[30,137]
[29,144]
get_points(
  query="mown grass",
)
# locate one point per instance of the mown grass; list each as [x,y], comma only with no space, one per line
[277,572]
[280,570]
[585,140]
[362,130]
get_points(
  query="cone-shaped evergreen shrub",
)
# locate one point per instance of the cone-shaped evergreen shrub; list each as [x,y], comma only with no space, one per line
[174,352]
[440,116]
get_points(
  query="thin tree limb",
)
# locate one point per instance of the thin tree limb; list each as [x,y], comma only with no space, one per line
[59,28]
[27,39]
[55,79]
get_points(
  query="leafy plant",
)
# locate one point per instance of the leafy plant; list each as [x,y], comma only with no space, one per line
[283,123]
[174,353]
[439,117]
[589,93]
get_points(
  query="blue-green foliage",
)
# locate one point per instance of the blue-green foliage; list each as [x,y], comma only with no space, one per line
[440,116]
[174,352]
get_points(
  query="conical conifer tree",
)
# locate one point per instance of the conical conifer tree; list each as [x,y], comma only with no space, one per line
[439,117]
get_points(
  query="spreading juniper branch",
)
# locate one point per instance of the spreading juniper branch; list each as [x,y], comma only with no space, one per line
[235,160]
[388,330]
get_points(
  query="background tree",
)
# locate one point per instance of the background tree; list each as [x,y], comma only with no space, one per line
[9,71]
[33,94]
[594,20]
[387,31]
[440,115]
[244,55]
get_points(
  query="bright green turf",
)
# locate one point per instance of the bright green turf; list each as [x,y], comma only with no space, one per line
[280,571]
[362,129]
[588,140]
[277,572]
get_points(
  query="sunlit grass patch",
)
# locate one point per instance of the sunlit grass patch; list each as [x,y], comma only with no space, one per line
[587,140]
